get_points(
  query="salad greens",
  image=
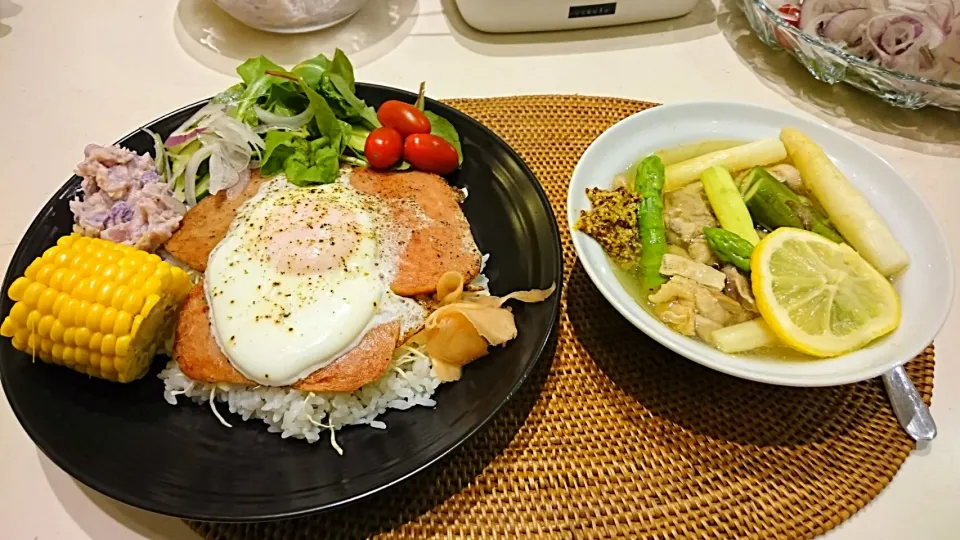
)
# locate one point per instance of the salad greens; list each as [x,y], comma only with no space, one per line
[302,122]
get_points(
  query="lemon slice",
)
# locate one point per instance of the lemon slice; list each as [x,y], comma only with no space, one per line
[819,297]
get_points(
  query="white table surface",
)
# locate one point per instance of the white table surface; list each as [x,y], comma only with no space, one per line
[74,72]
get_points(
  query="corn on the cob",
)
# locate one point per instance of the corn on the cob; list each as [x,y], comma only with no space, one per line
[95,306]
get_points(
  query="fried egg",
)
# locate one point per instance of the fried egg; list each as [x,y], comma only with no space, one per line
[301,276]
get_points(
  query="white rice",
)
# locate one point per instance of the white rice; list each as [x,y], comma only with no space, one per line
[305,415]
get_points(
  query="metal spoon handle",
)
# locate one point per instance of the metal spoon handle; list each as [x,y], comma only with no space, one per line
[907,404]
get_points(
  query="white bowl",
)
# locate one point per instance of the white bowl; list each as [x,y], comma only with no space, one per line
[926,288]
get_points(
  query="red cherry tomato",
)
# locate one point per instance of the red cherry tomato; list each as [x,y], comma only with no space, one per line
[403,117]
[791,15]
[430,153]
[383,148]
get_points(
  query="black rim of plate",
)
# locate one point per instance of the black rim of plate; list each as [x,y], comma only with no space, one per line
[145,503]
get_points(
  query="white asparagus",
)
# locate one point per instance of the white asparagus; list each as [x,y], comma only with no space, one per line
[745,336]
[848,210]
[683,152]
[738,158]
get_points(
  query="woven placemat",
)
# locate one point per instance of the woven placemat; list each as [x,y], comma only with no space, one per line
[619,437]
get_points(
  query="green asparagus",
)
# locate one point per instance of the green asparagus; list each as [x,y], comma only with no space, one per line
[774,205]
[729,247]
[653,241]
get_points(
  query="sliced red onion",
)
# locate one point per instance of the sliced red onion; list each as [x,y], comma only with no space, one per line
[183,138]
[292,122]
[844,26]
[815,25]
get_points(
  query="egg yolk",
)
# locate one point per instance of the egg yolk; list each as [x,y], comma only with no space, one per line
[307,237]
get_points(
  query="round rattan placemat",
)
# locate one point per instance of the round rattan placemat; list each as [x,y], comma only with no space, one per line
[619,437]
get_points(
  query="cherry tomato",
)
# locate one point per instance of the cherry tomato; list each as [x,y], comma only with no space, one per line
[383,148]
[403,117]
[430,153]
[791,15]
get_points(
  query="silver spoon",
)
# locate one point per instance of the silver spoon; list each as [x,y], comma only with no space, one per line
[907,404]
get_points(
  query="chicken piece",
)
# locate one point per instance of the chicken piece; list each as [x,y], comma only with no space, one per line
[200,358]
[678,288]
[687,212]
[679,315]
[704,301]
[705,327]
[738,288]
[675,265]
[207,223]
[700,251]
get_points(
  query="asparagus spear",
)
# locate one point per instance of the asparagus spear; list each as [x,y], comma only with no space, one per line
[728,205]
[738,158]
[774,205]
[849,210]
[729,247]
[653,240]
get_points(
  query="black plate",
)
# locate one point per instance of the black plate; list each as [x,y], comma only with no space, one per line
[126,442]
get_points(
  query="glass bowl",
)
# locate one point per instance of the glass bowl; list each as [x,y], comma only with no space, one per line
[290,16]
[831,64]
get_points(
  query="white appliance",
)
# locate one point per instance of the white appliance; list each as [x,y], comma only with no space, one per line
[506,16]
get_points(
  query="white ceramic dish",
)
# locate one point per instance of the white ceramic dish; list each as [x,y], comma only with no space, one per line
[926,288]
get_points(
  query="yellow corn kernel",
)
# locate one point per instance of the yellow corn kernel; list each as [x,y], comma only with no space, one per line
[67,241]
[45,324]
[80,314]
[62,260]
[33,343]
[46,345]
[68,312]
[51,253]
[33,319]
[94,360]
[56,280]
[153,285]
[22,334]
[9,328]
[122,347]
[123,323]
[17,288]
[62,300]
[137,321]
[110,272]
[134,302]
[148,306]
[44,273]
[70,280]
[57,351]
[47,298]
[95,341]
[109,344]
[82,337]
[106,363]
[105,292]
[57,331]
[68,356]
[120,296]
[19,312]
[31,271]
[32,295]
[108,320]
[82,356]
[70,337]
